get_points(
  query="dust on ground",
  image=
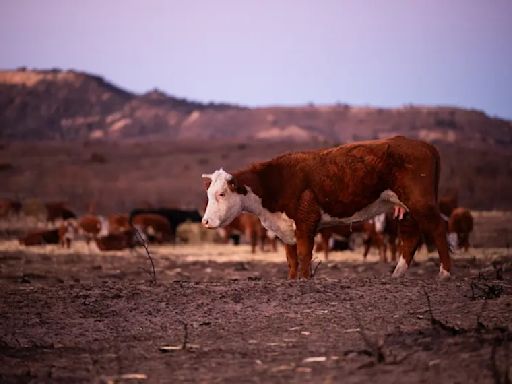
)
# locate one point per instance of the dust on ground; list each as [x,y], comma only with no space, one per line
[225,315]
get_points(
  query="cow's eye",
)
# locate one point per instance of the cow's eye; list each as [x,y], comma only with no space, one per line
[222,194]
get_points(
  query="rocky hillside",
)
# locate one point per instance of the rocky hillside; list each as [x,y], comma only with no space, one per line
[69,105]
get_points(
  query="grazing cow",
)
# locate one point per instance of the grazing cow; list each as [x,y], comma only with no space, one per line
[9,207]
[174,216]
[117,241]
[118,223]
[296,194]
[155,227]
[461,223]
[67,232]
[342,230]
[41,237]
[372,231]
[92,226]
[58,210]
[249,225]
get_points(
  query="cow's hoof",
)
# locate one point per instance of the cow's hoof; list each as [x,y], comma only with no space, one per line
[400,268]
[443,273]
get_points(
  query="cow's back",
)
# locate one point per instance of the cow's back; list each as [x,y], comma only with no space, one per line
[347,178]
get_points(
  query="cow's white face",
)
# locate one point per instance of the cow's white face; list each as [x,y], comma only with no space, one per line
[224,202]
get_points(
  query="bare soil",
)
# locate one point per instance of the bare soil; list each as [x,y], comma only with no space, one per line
[225,315]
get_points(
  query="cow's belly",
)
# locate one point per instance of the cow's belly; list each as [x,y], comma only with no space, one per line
[386,202]
[284,227]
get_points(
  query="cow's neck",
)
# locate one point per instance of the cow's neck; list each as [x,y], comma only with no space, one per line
[277,222]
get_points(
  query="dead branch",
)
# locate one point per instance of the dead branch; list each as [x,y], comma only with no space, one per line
[483,290]
[479,325]
[374,347]
[185,334]
[313,273]
[144,244]
[438,324]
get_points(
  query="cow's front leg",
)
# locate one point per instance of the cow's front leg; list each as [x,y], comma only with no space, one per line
[305,244]
[293,261]
[308,217]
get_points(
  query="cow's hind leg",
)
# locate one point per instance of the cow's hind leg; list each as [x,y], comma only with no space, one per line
[431,224]
[293,260]
[436,227]
[410,240]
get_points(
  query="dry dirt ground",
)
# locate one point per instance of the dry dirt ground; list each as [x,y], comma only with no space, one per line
[219,314]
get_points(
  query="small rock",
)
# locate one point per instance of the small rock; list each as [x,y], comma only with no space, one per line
[315,359]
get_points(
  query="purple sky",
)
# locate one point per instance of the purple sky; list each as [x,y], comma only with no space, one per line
[262,52]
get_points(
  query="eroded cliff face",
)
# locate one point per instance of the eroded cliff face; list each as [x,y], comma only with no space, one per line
[70,105]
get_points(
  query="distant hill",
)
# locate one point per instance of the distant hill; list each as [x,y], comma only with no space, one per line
[69,105]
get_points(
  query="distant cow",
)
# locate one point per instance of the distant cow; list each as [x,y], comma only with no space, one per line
[297,193]
[9,207]
[41,237]
[67,233]
[155,227]
[58,210]
[118,223]
[372,231]
[461,223]
[92,226]
[117,241]
[250,226]
[174,216]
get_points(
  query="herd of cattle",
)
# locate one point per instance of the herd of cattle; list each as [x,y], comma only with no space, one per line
[385,189]
[159,225]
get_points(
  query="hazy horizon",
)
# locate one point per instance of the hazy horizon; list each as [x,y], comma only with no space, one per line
[387,54]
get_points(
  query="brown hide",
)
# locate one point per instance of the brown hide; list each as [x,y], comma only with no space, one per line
[116,241]
[90,224]
[343,180]
[461,223]
[372,238]
[155,226]
[118,223]
[40,237]
[249,225]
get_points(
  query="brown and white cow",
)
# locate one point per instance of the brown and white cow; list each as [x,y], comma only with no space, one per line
[250,226]
[117,241]
[297,193]
[118,223]
[92,226]
[156,227]
[67,233]
[371,229]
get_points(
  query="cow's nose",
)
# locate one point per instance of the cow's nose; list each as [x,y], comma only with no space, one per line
[205,222]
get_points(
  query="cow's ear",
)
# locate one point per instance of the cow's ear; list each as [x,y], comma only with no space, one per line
[207,180]
[235,186]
